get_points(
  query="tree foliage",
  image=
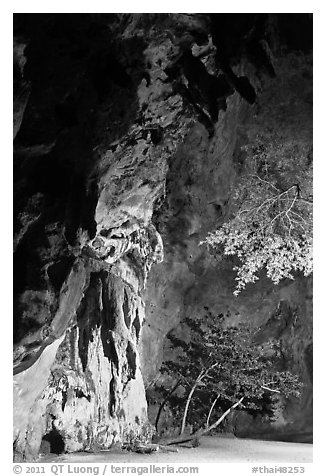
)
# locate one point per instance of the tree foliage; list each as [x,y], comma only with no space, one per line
[221,366]
[270,220]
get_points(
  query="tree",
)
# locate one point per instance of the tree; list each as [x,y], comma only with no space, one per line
[270,219]
[221,368]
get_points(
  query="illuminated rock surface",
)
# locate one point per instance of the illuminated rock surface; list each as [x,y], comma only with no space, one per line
[126,144]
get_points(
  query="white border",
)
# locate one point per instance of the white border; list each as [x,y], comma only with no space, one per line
[60,6]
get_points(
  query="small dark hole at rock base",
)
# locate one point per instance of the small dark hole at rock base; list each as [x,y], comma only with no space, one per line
[52,442]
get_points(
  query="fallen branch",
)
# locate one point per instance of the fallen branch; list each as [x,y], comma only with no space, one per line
[145,449]
[178,441]
[152,448]
[168,449]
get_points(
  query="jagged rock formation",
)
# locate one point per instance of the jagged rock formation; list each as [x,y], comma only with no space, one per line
[126,131]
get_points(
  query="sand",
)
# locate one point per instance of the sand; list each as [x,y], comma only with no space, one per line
[211,450]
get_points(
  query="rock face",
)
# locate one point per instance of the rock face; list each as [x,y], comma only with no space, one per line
[128,133]
[189,283]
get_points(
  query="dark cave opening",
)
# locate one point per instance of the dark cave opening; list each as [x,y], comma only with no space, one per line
[52,442]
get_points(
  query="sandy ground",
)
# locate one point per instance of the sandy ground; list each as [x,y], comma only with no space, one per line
[211,450]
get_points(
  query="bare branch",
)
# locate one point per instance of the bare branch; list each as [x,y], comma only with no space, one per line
[299,216]
[305,200]
[211,409]
[270,389]
[265,181]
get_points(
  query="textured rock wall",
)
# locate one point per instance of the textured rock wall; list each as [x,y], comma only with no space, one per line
[190,283]
[198,186]
[126,143]
[90,162]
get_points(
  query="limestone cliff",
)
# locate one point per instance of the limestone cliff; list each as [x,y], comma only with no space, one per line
[128,133]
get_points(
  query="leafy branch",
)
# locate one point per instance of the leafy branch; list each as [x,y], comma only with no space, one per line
[271,228]
[270,204]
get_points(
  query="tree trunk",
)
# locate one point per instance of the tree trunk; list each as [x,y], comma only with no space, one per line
[198,380]
[203,373]
[219,421]
[203,431]
[163,403]
[211,409]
